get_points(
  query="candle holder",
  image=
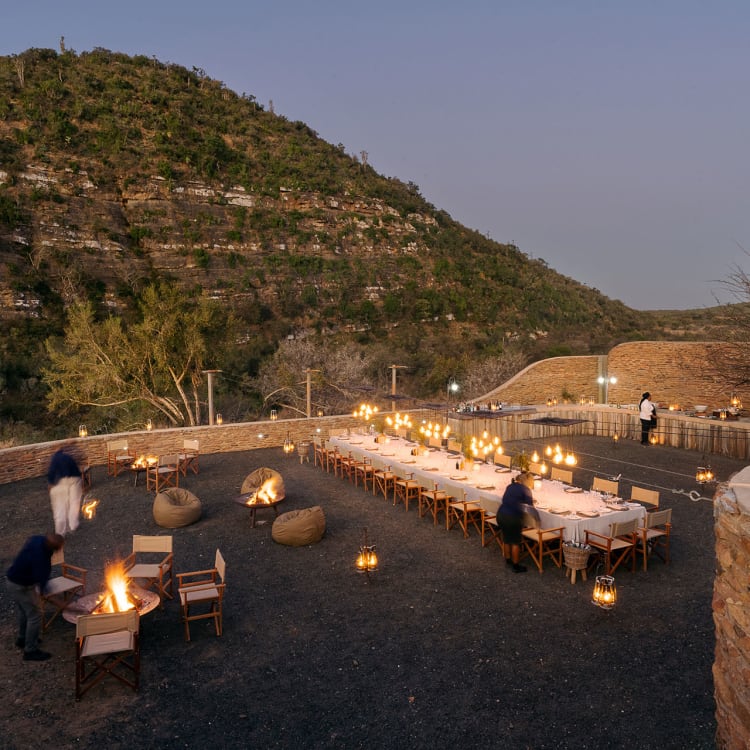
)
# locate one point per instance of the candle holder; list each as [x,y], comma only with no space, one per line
[367,560]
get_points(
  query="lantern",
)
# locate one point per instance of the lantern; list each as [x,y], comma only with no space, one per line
[82,430]
[605,593]
[367,559]
[219,419]
[149,425]
[288,445]
[274,415]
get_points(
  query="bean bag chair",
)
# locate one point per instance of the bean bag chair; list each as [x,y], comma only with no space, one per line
[298,528]
[255,480]
[175,507]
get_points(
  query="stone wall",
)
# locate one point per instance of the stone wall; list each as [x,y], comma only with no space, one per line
[731,609]
[674,372]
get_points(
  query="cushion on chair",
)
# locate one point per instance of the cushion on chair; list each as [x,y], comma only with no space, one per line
[298,528]
[175,507]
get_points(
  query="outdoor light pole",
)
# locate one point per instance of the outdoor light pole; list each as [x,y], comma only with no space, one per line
[393,382]
[210,374]
[309,373]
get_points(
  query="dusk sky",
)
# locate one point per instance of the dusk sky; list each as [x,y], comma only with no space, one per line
[608,138]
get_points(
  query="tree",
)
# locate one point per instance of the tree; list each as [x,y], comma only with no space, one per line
[158,360]
[733,366]
[337,378]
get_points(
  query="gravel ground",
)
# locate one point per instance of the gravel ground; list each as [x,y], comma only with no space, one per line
[443,646]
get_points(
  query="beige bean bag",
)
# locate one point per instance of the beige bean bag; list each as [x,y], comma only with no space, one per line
[175,507]
[298,528]
[255,480]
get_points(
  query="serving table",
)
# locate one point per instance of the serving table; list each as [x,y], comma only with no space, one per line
[573,509]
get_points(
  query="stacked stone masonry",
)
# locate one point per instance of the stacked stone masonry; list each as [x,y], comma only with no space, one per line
[731,610]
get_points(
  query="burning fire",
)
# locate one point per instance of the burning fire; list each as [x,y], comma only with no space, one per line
[266,494]
[143,462]
[116,598]
[89,509]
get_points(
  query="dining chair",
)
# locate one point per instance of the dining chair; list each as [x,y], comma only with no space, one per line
[151,563]
[383,480]
[107,645]
[647,498]
[165,472]
[465,514]
[405,489]
[502,459]
[189,456]
[203,590]
[491,531]
[618,547]
[347,464]
[561,475]
[434,502]
[539,544]
[319,456]
[364,470]
[118,456]
[63,589]
[605,485]
[654,536]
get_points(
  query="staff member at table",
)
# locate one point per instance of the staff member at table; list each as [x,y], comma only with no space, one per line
[517,501]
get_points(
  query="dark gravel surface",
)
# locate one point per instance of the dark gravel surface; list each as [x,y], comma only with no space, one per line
[443,647]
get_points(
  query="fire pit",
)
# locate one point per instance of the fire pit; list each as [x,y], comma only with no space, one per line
[120,595]
[264,488]
[140,465]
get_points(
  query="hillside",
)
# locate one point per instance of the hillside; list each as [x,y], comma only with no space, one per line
[116,171]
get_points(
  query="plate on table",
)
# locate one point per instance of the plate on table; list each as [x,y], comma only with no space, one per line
[408,460]
[459,477]
[431,468]
[387,454]
[588,514]
[502,470]
[573,489]
[485,486]
[356,442]
[559,511]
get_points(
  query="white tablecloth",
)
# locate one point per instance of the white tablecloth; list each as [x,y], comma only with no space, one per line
[486,485]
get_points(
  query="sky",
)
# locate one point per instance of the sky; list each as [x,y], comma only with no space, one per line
[608,138]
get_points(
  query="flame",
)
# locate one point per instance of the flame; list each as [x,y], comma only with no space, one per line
[265,495]
[116,598]
[144,461]
[89,509]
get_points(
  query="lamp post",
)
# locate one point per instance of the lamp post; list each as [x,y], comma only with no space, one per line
[604,383]
[393,369]
[210,374]
[309,373]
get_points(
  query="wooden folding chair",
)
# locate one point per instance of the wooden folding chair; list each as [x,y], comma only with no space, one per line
[648,498]
[434,502]
[203,589]
[465,514]
[151,563]
[107,644]
[541,543]
[605,485]
[383,481]
[405,489]
[188,459]
[164,473]
[618,547]
[654,536]
[119,456]
[63,589]
[561,475]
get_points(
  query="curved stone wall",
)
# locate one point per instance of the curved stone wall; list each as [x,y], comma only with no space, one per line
[731,608]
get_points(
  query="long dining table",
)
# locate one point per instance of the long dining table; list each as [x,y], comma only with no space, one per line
[559,505]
